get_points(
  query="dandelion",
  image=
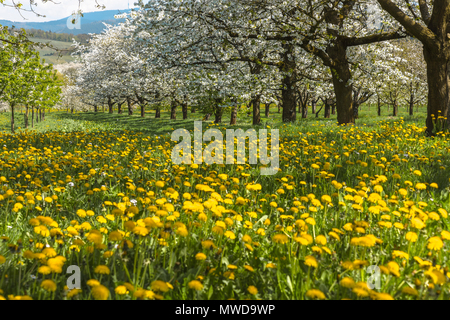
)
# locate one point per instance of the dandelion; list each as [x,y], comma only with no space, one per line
[252,290]
[280,239]
[310,261]
[348,283]
[435,244]
[200,256]
[195,285]
[421,186]
[315,294]
[48,285]
[159,285]
[102,270]
[100,292]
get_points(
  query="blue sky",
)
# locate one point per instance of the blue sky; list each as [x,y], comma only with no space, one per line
[58,9]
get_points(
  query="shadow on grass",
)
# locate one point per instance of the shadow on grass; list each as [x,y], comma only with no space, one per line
[135,123]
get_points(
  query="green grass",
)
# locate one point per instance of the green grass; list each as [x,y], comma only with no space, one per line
[64,121]
[52,56]
[281,242]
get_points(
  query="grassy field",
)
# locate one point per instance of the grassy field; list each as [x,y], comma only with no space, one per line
[52,56]
[80,121]
[348,205]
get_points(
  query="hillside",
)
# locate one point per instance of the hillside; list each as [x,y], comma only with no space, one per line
[51,56]
[91,22]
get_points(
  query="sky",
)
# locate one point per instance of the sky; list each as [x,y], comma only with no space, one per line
[58,9]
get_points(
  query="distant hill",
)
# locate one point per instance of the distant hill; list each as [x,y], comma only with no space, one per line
[91,22]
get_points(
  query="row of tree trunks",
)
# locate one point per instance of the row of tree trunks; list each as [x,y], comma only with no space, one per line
[40,116]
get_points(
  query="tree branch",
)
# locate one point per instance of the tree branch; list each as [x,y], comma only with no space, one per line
[424,11]
[351,42]
[422,33]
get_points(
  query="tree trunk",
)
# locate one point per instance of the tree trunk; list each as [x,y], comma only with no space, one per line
[257,110]
[207,117]
[233,120]
[40,115]
[95,109]
[130,107]
[32,117]
[313,105]
[327,110]
[304,110]
[289,81]
[267,111]
[12,118]
[110,105]
[142,110]
[26,117]
[343,90]
[411,105]
[395,107]
[356,109]
[438,95]
[379,106]
[158,113]
[119,108]
[193,110]
[173,111]
[249,113]
[436,42]
[43,114]
[184,107]
[218,112]
[333,109]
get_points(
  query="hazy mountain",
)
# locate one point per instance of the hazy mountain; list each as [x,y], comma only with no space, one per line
[91,22]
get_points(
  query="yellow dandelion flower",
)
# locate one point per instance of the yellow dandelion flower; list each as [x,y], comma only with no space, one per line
[315,294]
[252,290]
[100,292]
[195,285]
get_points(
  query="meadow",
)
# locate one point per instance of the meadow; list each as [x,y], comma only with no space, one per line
[51,55]
[99,192]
